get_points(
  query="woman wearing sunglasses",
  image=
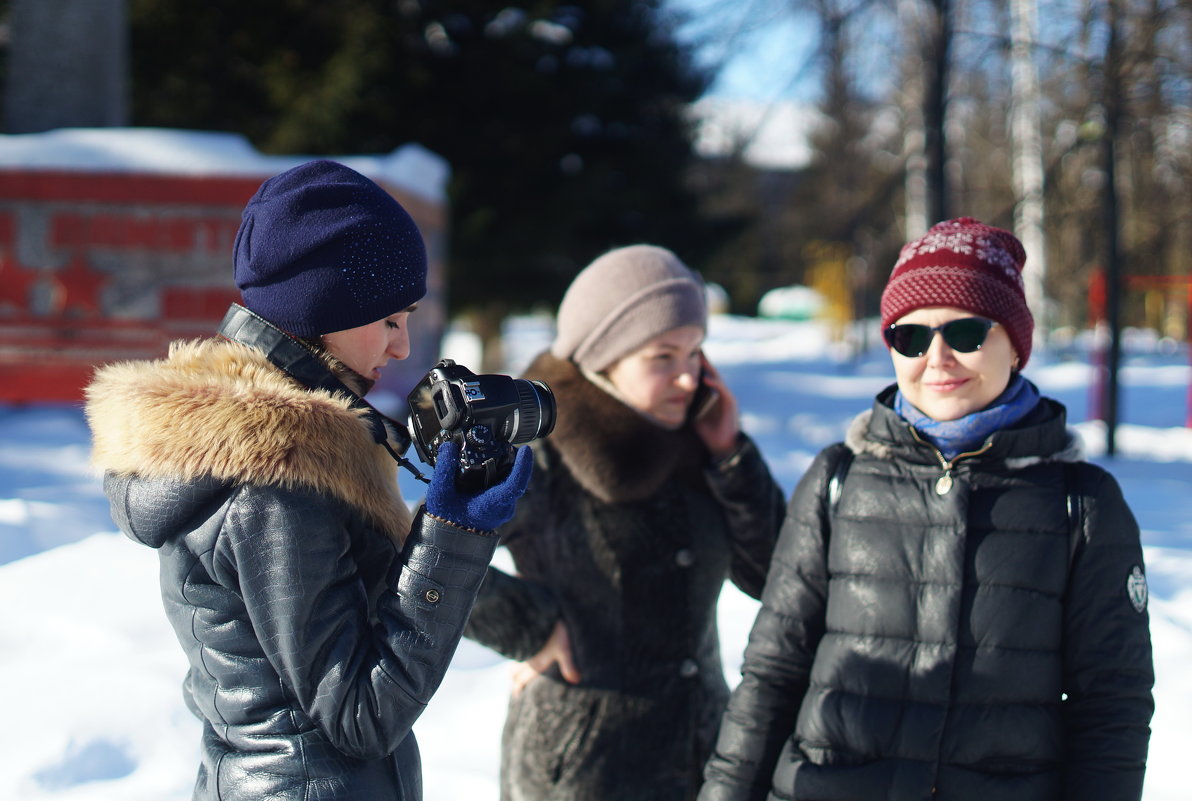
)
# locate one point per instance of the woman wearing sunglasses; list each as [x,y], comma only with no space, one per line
[956,608]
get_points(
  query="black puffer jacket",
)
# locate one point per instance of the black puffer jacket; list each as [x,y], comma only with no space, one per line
[314,638]
[918,643]
[627,534]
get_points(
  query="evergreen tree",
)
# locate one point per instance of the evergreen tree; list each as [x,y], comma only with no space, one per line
[563,123]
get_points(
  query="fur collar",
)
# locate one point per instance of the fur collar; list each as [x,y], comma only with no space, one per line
[857,441]
[613,451]
[218,409]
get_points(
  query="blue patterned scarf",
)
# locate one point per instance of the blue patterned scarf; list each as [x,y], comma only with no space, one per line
[954,437]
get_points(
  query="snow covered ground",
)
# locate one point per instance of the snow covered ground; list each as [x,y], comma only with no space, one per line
[91,674]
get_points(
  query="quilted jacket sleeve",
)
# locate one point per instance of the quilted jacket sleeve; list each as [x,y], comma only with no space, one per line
[762,709]
[754,508]
[1108,673]
[362,675]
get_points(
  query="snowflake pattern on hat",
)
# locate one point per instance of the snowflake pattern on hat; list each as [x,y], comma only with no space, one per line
[998,256]
[935,241]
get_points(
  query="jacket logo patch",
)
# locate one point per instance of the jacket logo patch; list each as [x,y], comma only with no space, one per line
[1136,589]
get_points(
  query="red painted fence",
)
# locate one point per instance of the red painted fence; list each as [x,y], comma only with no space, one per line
[98,267]
[104,266]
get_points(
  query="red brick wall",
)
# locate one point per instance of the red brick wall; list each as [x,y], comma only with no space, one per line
[99,267]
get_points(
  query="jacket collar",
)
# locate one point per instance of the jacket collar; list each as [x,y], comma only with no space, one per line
[1042,435]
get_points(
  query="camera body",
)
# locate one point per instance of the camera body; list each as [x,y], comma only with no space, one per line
[488,415]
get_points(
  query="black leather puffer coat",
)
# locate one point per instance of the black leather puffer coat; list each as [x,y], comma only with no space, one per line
[627,534]
[315,638]
[925,642]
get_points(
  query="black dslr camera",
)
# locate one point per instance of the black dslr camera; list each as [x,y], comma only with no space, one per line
[486,414]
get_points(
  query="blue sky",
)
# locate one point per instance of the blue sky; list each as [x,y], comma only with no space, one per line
[761,88]
[758,44]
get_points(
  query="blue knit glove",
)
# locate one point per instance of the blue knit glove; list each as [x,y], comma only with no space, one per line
[485,510]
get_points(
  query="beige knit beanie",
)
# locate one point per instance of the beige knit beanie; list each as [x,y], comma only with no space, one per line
[624,299]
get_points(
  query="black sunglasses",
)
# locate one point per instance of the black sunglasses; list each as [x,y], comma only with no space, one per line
[963,336]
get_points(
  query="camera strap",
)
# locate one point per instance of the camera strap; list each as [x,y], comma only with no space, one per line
[288,354]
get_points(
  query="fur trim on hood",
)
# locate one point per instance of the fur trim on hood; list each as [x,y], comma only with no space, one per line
[857,441]
[218,409]
[614,452]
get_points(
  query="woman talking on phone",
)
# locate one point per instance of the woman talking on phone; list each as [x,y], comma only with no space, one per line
[646,497]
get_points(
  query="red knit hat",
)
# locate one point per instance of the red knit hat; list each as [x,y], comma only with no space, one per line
[968,265]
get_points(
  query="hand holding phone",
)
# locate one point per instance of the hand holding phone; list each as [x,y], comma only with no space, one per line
[713,412]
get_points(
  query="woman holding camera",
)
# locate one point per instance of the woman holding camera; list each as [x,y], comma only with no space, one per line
[646,497]
[957,606]
[318,618]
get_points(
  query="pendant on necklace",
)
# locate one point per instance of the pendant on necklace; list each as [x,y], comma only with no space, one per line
[944,485]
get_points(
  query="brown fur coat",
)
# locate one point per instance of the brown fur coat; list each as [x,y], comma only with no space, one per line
[612,451]
[214,408]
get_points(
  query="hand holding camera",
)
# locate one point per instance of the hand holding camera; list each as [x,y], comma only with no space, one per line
[486,416]
[485,510]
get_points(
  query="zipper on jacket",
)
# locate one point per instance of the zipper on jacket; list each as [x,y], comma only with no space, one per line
[943,484]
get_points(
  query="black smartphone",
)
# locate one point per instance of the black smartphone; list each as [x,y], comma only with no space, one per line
[704,399]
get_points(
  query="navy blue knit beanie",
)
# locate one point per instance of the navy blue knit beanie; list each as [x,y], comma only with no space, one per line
[321,248]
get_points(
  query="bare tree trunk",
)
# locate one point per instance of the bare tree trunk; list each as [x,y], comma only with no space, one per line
[926,107]
[1112,99]
[935,111]
[914,139]
[1027,146]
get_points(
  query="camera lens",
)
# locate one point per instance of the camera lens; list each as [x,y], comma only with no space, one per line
[534,417]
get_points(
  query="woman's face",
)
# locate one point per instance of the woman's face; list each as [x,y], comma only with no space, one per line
[945,384]
[660,378]
[367,349]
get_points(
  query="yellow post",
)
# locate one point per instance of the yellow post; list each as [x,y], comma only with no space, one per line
[827,274]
